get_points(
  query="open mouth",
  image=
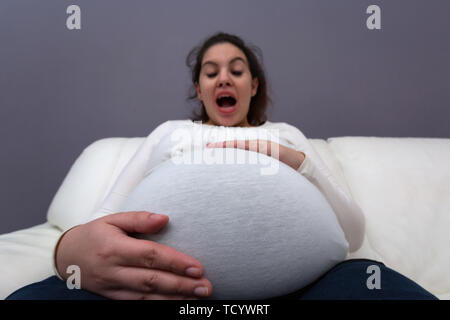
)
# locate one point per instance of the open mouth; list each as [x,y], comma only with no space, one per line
[226,101]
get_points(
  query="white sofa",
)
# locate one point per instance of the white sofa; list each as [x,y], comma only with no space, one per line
[402,185]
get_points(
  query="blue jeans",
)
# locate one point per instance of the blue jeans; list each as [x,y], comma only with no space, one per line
[345,281]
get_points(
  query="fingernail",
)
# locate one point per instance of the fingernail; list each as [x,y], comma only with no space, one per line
[157,217]
[193,272]
[201,291]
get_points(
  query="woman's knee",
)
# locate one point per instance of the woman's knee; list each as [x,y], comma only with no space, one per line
[51,288]
[365,279]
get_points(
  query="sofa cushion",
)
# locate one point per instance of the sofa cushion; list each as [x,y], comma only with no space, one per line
[89,180]
[403,187]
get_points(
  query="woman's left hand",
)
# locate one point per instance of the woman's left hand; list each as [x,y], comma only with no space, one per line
[291,157]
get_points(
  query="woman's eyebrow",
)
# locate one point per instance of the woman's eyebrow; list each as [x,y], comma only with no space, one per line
[232,61]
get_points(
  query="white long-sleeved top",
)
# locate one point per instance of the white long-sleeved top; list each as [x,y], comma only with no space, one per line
[349,214]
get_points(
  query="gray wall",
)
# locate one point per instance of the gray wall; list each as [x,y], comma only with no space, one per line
[123,73]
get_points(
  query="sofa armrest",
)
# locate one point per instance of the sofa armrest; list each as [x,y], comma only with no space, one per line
[26,257]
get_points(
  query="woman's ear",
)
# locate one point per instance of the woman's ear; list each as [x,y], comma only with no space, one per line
[197,89]
[255,84]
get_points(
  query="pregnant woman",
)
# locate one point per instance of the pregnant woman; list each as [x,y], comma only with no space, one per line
[254,212]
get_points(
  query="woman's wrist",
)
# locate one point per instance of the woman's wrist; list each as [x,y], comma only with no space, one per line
[55,253]
[292,158]
[301,157]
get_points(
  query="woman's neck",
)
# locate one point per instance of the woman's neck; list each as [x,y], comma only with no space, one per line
[244,123]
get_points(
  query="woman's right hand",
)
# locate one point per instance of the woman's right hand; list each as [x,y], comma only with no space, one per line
[118,266]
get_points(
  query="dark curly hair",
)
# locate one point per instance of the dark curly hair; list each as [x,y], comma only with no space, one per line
[258,103]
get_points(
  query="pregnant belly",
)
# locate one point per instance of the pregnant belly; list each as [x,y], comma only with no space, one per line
[257,236]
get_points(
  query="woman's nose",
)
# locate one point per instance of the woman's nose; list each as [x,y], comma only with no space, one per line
[224,79]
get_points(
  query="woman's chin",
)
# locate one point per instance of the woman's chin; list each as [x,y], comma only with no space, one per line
[228,121]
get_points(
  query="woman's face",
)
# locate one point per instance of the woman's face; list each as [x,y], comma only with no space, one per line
[225,85]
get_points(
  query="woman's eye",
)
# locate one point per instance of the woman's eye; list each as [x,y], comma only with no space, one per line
[212,75]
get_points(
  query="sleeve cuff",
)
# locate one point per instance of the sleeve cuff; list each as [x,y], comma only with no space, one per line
[55,268]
